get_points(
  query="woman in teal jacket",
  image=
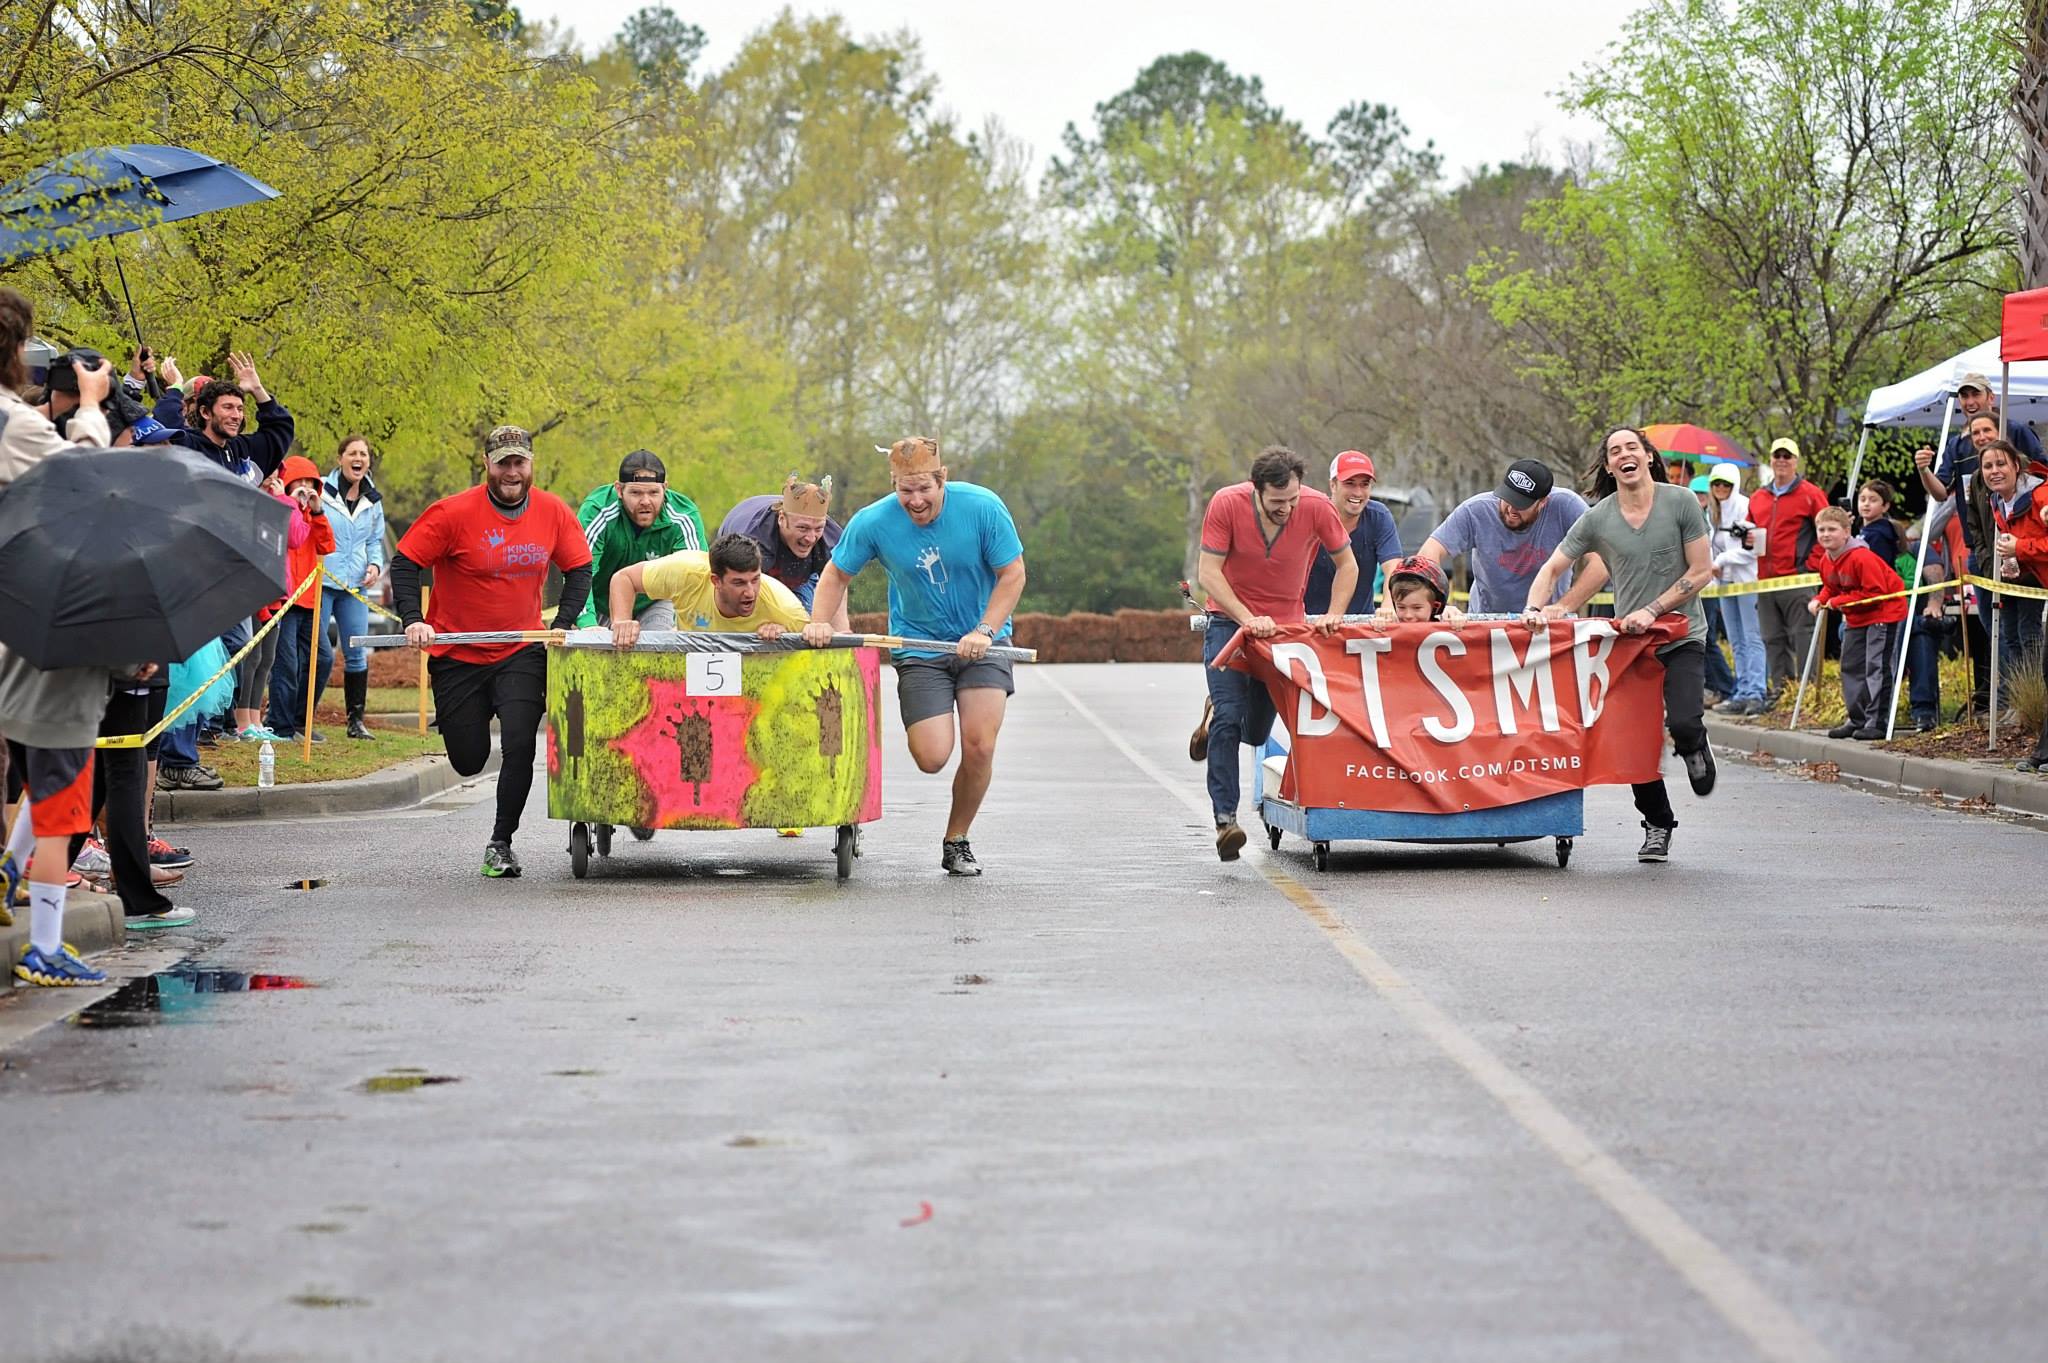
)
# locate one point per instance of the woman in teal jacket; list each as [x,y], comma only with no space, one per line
[355,509]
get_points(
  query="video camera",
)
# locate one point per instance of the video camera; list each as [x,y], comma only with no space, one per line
[1741,531]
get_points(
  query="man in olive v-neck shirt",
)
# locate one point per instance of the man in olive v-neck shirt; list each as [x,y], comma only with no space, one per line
[1259,539]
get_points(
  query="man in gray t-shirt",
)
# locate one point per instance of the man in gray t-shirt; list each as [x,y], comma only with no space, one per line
[1509,533]
[1642,564]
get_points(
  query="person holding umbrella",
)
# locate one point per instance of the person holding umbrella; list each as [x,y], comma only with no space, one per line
[54,716]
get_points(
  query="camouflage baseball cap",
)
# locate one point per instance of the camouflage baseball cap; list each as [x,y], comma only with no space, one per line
[505,441]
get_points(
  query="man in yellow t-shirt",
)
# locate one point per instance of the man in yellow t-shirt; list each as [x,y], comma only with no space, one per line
[720,592]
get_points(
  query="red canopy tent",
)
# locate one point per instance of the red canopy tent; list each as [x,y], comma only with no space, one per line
[2023,334]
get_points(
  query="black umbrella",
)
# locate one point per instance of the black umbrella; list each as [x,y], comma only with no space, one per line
[113,557]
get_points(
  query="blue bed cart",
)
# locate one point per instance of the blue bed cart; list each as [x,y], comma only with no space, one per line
[1561,816]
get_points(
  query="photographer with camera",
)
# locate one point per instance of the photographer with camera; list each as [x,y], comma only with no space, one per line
[1734,550]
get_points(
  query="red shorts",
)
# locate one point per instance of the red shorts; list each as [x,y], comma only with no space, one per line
[59,784]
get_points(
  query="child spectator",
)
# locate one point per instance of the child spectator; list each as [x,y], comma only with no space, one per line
[1850,575]
[1874,525]
[310,537]
[1419,589]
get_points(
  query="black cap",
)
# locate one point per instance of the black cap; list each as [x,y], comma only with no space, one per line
[1526,483]
[642,466]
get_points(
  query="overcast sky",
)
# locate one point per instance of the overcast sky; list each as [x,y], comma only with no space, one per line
[1477,77]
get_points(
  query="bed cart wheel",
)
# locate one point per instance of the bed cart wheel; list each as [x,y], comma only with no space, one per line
[844,847]
[604,839]
[1273,836]
[642,834]
[579,850]
[1564,852]
[1321,852]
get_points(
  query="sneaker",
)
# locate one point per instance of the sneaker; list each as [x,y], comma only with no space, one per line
[1656,844]
[209,738]
[2029,765]
[171,779]
[1229,841]
[1732,706]
[163,876]
[1699,770]
[1842,731]
[499,861]
[259,733]
[1923,724]
[1755,705]
[162,853]
[958,858]
[92,859]
[153,922]
[1198,746]
[10,882]
[61,969]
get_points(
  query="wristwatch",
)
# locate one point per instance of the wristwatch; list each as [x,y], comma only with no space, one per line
[985,628]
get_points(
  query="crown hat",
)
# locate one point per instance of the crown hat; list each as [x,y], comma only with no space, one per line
[806,499]
[915,455]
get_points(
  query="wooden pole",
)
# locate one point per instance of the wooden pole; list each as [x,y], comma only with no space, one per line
[313,640]
[425,594]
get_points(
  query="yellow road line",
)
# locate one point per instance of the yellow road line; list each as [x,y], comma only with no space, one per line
[1739,1298]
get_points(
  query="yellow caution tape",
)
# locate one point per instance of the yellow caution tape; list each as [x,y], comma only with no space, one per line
[145,739]
[337,584]
[2006,588]
[1767,584]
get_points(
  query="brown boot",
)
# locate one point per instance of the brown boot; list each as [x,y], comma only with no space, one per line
[1198,746]
[1229,840]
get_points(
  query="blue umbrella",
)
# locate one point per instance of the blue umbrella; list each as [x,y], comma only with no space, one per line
[109,190]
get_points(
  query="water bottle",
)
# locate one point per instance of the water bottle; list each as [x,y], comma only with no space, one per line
[266,766]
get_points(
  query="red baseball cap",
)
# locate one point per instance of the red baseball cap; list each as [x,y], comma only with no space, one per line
[1349,465]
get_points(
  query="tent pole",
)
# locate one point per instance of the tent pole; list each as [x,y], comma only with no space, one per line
[1856,465]
[1820,621]
[1855,471]
[1991,719]
[1920,573]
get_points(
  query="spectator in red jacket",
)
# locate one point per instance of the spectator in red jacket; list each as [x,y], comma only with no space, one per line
[1783,509]
[1850,576]
[311,536]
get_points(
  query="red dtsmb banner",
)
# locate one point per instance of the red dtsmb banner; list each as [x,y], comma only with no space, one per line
[1435,718]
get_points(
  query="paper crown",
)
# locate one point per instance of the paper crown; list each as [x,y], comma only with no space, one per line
[806,499]
[915,455]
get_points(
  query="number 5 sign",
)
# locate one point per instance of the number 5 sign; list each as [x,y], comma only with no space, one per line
[711,674]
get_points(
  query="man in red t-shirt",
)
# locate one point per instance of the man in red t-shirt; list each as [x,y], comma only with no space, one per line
[1259,539]
[1783,509]
[490,548]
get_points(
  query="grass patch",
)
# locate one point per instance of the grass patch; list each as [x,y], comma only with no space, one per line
[338,759]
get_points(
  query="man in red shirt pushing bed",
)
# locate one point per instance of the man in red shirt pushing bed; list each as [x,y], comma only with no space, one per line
[1259,539]
[490,549]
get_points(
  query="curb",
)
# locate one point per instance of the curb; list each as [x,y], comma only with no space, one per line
[398,787]
[2001,785]
[92,922]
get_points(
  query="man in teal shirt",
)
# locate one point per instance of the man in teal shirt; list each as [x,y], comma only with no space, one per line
[956,569]
[632,521]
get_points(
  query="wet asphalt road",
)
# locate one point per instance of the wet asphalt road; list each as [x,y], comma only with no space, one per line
[1783,1098]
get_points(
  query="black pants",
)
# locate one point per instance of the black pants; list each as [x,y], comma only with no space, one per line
[467,696]
[120,800]
[1685,702]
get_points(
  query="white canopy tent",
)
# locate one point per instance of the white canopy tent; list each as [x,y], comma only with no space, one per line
[1919,401]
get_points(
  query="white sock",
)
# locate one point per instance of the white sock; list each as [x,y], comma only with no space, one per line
[46,917]
[21,839]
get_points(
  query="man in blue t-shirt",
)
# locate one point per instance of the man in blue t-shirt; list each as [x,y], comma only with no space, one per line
[956,569]
[1509,534]
[1375,542]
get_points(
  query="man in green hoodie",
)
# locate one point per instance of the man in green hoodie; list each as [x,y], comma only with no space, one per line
[632,521]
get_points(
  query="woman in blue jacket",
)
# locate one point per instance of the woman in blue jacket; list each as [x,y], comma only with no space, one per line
[356,511]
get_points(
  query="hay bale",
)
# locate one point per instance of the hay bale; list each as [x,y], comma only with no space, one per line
[1087,637]
[869,622]
[1156,637]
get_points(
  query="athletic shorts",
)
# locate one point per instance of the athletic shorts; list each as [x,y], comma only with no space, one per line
[59,787]
[927,686]
[470,695]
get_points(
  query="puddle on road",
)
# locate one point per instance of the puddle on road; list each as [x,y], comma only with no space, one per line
[180,994]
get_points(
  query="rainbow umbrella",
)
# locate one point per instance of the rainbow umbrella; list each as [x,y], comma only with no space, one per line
[1697,444]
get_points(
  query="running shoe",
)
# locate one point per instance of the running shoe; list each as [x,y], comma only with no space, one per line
[10,881]
[958,858]
[93,861]
[499,863]
[153,922]
[173,779]
[60,969]
[1656,844]
[162,853]
[258,733]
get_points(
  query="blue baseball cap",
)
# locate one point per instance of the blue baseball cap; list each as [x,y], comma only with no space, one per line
[150,431]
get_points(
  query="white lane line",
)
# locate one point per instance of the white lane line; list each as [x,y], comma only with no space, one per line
[1739,1298]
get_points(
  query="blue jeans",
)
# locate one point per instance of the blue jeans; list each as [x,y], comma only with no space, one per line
[1923,667]
[1241,712]
[288,675]
[354,618]
[1738,619]
[1718,676]
[2019,638]
[180,746]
